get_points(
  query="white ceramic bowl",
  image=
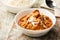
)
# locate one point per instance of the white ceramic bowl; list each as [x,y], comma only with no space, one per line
[15,9]
[35,33]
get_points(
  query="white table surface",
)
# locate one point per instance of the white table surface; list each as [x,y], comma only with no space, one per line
[6,20]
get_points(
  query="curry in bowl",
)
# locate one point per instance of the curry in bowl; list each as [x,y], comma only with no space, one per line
[35,21]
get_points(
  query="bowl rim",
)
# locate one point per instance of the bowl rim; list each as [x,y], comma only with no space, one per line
[19,6]
[34,30]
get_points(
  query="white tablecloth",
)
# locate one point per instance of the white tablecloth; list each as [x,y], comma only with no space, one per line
[6,20]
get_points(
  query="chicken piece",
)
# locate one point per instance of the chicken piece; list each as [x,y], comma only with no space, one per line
[24,24]
[19,22]
[35,13]
[34,27]
[29,26]
[41,17]
[41,26]
[25,18]
[47,22]
[38,20]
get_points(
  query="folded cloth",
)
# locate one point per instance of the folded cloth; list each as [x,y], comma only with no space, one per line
[6,19]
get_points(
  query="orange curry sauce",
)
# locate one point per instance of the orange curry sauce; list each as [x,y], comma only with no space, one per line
[35,21]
